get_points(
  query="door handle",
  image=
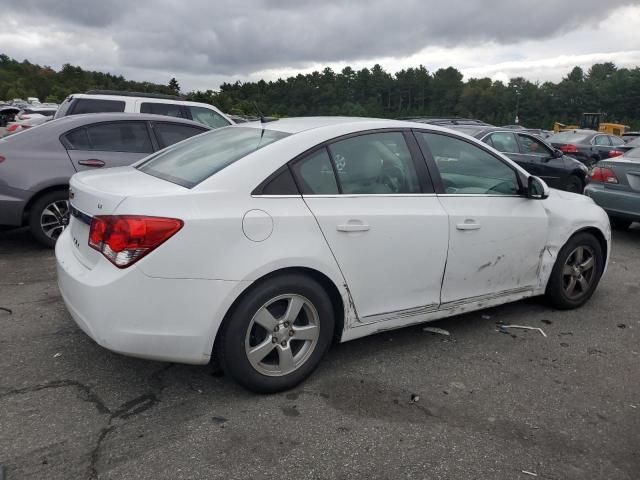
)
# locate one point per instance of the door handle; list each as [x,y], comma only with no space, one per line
[91,162]
[468,225]
[353,227]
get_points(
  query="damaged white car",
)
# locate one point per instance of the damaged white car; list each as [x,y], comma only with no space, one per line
[260,244]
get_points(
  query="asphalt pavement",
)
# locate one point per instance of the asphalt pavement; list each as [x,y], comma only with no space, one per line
[478,404]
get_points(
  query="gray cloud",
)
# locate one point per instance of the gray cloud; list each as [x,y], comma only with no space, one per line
[229,37]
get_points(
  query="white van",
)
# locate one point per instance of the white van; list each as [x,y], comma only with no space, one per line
[98,101]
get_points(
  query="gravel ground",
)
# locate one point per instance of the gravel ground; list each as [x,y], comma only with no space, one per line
[489,405]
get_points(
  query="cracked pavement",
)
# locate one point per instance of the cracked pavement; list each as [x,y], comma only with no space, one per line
[491,405]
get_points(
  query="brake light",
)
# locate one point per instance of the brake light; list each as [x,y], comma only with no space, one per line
[12,128]
[125,239]
[603,175]
[568,148]
[615,153]
[2,159]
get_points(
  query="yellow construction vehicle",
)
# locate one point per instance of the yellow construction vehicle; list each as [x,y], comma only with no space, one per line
[591,121]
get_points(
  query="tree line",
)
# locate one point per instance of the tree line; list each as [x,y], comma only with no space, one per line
[373,92]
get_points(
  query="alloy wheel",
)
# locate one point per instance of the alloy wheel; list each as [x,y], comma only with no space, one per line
[282,335]
[578,272]
[54,218]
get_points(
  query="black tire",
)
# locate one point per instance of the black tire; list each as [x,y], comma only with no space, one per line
[35,215]
[555,292]
[574,184]
[231,351]
[619,223]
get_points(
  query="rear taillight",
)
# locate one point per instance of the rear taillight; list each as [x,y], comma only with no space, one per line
[12,128]
[569,148]
[125,239]
[2,159]
[615,153]
[603,175]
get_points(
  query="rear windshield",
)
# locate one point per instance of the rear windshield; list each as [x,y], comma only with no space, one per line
[192,161]
[469,130]
[568,137]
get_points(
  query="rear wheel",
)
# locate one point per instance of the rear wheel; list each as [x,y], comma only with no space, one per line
[277,334]
[574,184]
[619,223]
[576,272]
[48,217]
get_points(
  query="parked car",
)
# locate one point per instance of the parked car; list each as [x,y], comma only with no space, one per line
[535,131]
[96,101]
[615,186]
[36,164]
[262,242]
[31,117]
[628,136]
[588,146]
[8,114]
[444,121]
[534,155]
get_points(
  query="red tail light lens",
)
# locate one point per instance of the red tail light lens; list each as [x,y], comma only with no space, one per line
[125,239]
[615,153]
[603,175]
[2,159]
[12,128]
[568,148]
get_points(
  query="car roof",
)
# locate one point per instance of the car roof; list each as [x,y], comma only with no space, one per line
[300,124]
[86,118]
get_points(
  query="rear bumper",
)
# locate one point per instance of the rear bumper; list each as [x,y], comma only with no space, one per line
[12,204]
[128,312]
[617,203]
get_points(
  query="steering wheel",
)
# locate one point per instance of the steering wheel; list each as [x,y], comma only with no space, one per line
[393,178]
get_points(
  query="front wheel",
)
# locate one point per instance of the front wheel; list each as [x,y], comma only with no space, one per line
[277,334]
[576,272]
[574,184]
[49,216]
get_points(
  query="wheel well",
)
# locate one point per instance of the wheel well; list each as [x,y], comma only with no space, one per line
[599,236]
[326,283]
[27,208]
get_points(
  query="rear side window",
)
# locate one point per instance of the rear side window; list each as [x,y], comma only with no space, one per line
[77,140]
[208,117]
[190,163]
[94,105]
[602,140]
[503,142]
[170,133]
[315,174]
[615,141]
[120,137]
[167,109]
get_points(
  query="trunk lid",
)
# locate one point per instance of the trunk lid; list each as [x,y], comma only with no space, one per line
[100,193]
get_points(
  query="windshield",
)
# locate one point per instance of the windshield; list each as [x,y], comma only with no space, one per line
[568,137]
[196,159]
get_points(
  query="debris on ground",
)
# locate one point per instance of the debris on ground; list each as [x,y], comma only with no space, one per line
[503,329]
[486,317]
[547,322]
[529,473]
[5,309]
[415,398]
[622,325]
[57,355]
[439,331]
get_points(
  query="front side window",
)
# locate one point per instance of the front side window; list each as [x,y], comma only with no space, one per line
[208,117]
[467,169]
[190,163]
[532,146]
[167,109]
[503,142]
[375,163]
[93,105]
[120,137]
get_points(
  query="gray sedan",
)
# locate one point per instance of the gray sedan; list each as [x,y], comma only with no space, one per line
[36,164]
[615,186]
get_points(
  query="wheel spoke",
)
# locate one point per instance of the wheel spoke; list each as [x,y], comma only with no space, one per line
[571,287]
[257,353]
[577,260]
[293,309]
[48,212]
[308,332]
[587,264]
[567,270]
[265,319]
[286,360]
[584,284]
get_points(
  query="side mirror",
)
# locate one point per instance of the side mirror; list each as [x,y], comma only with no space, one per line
[558,153]
[537,189]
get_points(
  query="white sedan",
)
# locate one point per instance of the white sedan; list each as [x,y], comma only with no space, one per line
[260,244]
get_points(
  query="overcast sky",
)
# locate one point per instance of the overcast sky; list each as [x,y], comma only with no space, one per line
[205,42]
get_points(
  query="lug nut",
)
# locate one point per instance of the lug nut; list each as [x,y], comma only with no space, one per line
[291,333]
[277,327]
[284,343]
[286,324]
[274,340]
